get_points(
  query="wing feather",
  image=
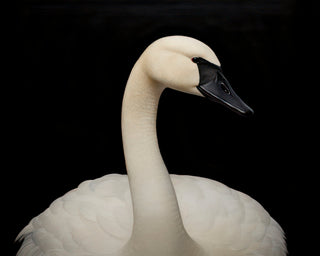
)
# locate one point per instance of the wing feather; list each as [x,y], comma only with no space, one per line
[95,218]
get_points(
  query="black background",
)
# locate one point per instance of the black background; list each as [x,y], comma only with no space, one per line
[71,63]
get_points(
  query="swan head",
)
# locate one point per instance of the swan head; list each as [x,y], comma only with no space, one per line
[188,65]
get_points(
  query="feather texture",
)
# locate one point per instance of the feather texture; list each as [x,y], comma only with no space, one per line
[96,219]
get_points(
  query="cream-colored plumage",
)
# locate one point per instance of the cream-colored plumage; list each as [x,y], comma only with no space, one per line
[149,212]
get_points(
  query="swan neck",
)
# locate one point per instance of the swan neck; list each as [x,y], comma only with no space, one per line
[155,206]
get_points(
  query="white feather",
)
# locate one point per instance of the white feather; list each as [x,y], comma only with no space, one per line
[96,219]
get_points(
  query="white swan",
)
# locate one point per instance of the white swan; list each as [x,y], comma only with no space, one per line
[149,212]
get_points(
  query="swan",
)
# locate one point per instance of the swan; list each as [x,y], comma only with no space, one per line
[149,212]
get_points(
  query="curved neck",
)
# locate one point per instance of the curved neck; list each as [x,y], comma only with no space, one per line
[155,207]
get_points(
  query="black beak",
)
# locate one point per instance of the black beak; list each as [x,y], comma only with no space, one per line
[216,87]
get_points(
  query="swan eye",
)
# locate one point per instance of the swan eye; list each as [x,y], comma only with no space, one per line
[196,59]
[225,88]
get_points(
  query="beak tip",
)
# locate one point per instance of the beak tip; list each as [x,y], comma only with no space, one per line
[248,112]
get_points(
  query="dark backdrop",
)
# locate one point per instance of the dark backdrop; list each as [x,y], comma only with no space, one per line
[70,70]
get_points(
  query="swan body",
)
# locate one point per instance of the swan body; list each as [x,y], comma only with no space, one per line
[149,212]
[103,208]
